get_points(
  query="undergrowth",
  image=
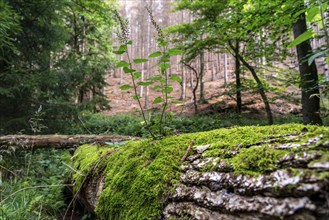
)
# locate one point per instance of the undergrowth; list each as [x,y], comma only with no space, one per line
[132,125]
[32,184]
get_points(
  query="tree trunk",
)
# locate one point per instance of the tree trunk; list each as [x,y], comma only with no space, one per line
[308,76]
[57,141]
[195,87]
[259,85]
[237,78]
[253,184]
[183,84]
[202,72]
[225,69]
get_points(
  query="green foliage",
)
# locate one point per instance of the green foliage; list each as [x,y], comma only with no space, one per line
[120,124]
[161,80]
[140,174]
[8,27]
[59,58]
[32,184]
[133,125]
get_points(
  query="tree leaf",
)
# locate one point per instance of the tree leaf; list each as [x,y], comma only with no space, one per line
[122,63]
[312,12]
[165,59]
[145,83]
[128,70]
[175,51]
[316,55]
[125,87]
[164,66]
[168,90]
[137,75]
[155,78]
[130,42]
[327,60]
[301,38]
[122,49]
[155,54]
[177,102]
[156,87]
[136,97]
[176,78]
[118,52]
[157,100]
[141,60]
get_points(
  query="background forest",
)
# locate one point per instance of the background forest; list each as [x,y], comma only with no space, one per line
[149,68]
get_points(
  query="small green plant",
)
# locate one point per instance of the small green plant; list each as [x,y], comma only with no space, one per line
[160,81]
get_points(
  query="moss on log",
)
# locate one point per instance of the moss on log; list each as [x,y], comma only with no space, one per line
[256,172]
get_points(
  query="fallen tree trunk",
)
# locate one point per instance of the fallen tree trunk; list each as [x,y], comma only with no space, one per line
[59,141]
[244,173]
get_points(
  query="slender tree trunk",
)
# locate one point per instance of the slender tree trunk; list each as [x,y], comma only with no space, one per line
[237,77]
[195,87]
[183,84]
[191,79]
[259,85]
[308,76]
[218,65]
[202,72]
[225,69]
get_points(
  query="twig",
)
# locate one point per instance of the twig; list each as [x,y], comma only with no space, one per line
[187,151]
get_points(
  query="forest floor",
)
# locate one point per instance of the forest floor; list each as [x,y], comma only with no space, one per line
[219,99]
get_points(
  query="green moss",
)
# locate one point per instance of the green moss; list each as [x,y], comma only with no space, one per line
[323,158]
[141,174]
[85,158]
[256,160]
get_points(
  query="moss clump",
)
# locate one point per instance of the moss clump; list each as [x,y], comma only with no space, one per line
[85,158]
[256,159]
[141,174]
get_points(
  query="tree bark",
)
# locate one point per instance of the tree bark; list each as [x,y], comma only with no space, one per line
[225,70]
[195,87]
[202,72]
[183,84]
[259,85]
[58,141]
[308,77]
[237,77]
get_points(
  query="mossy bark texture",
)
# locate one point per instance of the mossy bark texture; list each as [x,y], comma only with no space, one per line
[249,173]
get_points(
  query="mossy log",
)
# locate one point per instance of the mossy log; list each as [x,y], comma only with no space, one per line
[247,173]
[58,141]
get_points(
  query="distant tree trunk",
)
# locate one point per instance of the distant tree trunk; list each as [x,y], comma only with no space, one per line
[237,77]
[259,85]
[225,69]
[183,84]
[191,79]
[218,64]
[202,72]
[308,76]
[195,87]
[141,91]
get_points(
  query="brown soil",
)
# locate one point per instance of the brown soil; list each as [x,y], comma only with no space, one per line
[218,100]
